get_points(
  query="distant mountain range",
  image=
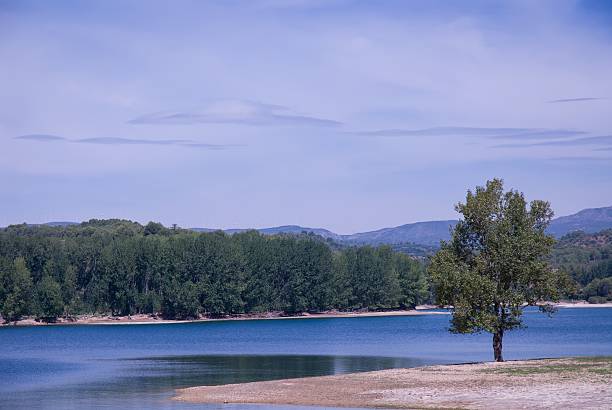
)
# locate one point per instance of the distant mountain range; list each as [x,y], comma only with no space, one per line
[289,229]
[428,233]
[60,223]
[432,232]
[588,220]
[423,233]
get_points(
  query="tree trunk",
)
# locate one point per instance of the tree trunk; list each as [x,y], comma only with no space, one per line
[497,345]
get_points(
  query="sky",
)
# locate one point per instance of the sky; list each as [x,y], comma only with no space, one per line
[344,114]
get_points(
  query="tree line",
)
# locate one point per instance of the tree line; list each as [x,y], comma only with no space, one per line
[588,258]
[123,268]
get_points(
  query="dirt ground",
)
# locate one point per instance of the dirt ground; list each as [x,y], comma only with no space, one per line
[572,383]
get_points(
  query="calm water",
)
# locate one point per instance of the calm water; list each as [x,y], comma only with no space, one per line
[138,366]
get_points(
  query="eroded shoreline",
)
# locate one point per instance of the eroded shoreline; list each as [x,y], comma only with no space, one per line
[153,319]
[569,383]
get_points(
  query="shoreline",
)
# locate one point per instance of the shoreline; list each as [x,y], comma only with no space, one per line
[143,319]
[582,304]
[570,383]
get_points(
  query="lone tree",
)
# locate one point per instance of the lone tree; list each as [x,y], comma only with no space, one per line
[495,263]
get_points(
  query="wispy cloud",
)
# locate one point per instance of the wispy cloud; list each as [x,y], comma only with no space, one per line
[569,100]
[581,159]
[40,137]
[442,131]
[129,141]
[600,140]
[518,133]
[124,141]
[236,112]
[541,134]
[211,146]
[295,4]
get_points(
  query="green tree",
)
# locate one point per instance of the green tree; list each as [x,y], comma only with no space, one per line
[70,294]
[341,286]
[180,300]
[17,288]
[601,289]
[306,267]
[49,303]
[261,260]
[374,278]
[153,228]
[413,282]
[122,267]
[119,261]
[495,263]
[218,267]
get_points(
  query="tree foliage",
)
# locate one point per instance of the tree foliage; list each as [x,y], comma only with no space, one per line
[49,302]
[496,262]
[16,290]
[588,258]
[124,268]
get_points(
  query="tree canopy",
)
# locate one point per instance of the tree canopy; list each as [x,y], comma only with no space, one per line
[121,267]
[496,262]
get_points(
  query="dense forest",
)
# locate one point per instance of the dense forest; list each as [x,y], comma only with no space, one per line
[123,268]
[588,258]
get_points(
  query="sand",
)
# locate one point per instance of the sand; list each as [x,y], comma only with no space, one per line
[535,384]
[152,319]
[583,304]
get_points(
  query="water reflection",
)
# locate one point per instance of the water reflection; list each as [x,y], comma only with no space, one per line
[181,371]
[138,367]
[149,382]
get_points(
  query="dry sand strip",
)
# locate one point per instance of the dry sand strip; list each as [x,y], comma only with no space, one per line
[573,383]
[143,319]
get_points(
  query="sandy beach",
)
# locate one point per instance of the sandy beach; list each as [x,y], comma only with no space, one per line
[152,319]
[571,383]
[582,304]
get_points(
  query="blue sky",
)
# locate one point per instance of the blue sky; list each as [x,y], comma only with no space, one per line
[348,115]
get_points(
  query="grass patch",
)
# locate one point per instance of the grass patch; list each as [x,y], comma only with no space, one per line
[595,359]
[529,370]
[601,365]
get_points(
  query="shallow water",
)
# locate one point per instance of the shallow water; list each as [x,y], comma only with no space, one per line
[139,366]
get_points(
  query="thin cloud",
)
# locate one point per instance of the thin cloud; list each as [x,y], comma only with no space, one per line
[442,131]
[129,141]
[600,140]
[214,147]
[542,134]
[296,4]
[569,100]
[581,159]
[40,137]
[518,133]
[125,141]
[236,112]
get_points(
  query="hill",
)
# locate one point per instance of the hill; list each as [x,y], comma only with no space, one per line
[587,257]
[425,234]
[430,233]
[588,220]
[421,233]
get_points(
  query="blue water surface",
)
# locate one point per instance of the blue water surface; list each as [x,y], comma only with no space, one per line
[139,366]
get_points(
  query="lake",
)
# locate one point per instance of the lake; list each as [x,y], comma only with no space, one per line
[139,366]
